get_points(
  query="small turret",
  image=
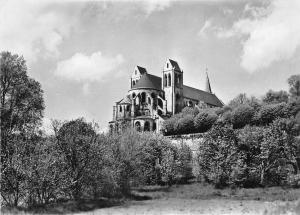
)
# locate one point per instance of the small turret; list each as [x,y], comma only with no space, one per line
[208,87]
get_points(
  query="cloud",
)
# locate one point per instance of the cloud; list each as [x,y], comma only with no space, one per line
[151,6]
[270,34]
[86,69]
[34,29]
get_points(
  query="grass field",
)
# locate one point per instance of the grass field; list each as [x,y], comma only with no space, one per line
[189,199]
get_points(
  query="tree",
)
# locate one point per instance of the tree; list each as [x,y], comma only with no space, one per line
[75,139]
[242,115]
[276,97]
[218,155]
[243,99]
[204,120]
[294,83]
[185,125]
[21,106]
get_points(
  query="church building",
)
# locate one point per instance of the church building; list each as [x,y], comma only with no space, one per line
[152,99]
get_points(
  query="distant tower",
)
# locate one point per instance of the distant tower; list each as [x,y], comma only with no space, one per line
[172,84]
[208,87]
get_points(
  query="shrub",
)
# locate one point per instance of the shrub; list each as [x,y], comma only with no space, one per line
[204,120]
[278,153]
[241,116]
[269,112]
[217,155]
[185,125]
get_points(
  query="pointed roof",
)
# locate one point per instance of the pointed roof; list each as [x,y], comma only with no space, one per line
[141,69]
[200,95]
[125,100]
[148,81]
[208,87]
[174,64]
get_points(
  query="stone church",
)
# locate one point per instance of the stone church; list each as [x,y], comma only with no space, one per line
[152,99]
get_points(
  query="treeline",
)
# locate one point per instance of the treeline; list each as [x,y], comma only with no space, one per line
[241,111]
[77,163]
[252,156]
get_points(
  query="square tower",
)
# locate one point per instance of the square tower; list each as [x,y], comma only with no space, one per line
[172,85]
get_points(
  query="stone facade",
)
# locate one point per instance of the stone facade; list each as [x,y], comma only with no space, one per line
[151,99]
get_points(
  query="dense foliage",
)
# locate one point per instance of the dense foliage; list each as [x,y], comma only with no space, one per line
[252,156]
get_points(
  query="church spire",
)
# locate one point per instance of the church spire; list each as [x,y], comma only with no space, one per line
[208,87]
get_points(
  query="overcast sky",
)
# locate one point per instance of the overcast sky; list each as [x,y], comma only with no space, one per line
[83,52]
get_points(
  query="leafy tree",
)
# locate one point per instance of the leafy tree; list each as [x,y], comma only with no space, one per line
[269,112]
[242,115]
[21,105]
[217,155]
[242,99]
[204,120]
[278,153]
[185,125]
[75,139]
[294,83]
[276,97]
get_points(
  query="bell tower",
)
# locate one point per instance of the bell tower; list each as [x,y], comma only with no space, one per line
[172,84]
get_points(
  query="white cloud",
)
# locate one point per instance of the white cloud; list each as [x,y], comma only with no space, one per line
[271,34]
[83,68]
[151,6]
[33,29]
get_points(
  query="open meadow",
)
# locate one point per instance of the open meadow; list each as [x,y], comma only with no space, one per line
[192,198]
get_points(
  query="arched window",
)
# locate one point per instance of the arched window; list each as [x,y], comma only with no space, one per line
[169,80]
[165,81]
[160,103]
[120,108]
[137,126]
[154,126]
[143,99]
[133,83]
[127,108]
[133,95]
[147,126]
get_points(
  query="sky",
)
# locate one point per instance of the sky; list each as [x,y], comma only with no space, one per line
[83,52]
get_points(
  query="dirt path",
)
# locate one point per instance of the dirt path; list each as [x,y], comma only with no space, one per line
[190,206]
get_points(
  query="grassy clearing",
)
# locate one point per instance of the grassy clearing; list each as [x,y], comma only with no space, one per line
[194,198]
[202,191]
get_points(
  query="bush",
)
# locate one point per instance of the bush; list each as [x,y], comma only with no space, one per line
[185,125]
[217,155]
[269,112]
[204,120]
[241,116]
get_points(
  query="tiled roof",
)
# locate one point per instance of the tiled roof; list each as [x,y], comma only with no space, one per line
[174,64]
[141,69]
[148,81]
[200,95]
